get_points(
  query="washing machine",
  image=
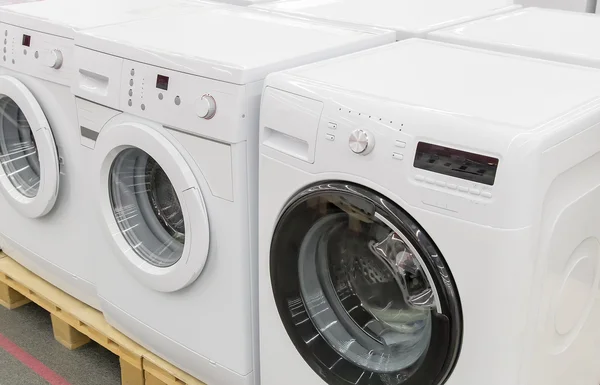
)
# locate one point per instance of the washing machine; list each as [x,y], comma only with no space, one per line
[168,110]
[567,5]
[427,223]
[410,18]
[558,35]
[42,201]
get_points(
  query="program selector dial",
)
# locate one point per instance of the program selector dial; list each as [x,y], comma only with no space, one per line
[361,142]
[206,107]
[54,59]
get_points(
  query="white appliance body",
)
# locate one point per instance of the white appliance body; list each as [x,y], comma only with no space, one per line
[571,42]
[409,18]
[190,320]
[43,202]
[436,166]
[163,120]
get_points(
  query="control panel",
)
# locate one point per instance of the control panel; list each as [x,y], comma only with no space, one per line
[422,158]
[190,103]
[37,54]
[186,102]
[391,150]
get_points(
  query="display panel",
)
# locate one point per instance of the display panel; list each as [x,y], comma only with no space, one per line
[162,82]
[26,40]
[456,163]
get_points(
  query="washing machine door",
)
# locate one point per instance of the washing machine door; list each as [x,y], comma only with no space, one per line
[153,206]
[362,290]
[29,176]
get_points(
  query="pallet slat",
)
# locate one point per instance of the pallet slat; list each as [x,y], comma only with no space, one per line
[162,374]
[10,298]
[75,324]
[68,336]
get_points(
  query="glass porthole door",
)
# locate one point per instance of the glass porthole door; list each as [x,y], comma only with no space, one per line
[29,172]
[362,290]
[151,201]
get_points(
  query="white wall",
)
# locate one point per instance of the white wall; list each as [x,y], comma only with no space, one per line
[569,5]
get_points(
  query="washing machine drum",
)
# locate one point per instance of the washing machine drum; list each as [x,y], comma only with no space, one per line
[362,291]
[146,208]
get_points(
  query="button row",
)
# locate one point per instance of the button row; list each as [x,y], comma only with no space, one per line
[331,126]
[397,155]
[452,186]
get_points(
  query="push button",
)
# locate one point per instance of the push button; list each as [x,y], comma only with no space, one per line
[440,183]
[400,144]
[419,178]
[486,194]
[463,189]
[330,137]
[397,156]
[331,125]
[474,191]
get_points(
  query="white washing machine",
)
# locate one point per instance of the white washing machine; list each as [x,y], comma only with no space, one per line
[168,110]
[558,35]
[567,5]
[410,18]
[43,202]
[427,223]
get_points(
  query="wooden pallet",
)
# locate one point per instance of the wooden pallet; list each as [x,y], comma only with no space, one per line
[75,324]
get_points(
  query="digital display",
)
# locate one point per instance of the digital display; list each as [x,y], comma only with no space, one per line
[456,163]
[26,40]
[162,82]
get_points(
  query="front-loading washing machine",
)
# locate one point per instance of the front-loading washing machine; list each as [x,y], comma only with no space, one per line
[431,221]
[409,18]
[557,35]
[43,202]
[168,110]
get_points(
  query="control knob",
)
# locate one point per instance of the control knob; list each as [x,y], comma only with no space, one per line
[360,142]
[206,107]
[53,59]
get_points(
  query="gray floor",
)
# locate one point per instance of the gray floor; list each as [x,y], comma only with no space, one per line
[30,328]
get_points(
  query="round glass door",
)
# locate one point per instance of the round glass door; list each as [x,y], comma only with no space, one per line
[146,208]
[29,172]
[151,199]
[18,151]
[362,291]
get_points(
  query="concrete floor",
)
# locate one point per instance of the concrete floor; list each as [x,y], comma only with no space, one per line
[29,327]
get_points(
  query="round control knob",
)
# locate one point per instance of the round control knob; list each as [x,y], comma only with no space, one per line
[360,142]
[54,59]
[206,107]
